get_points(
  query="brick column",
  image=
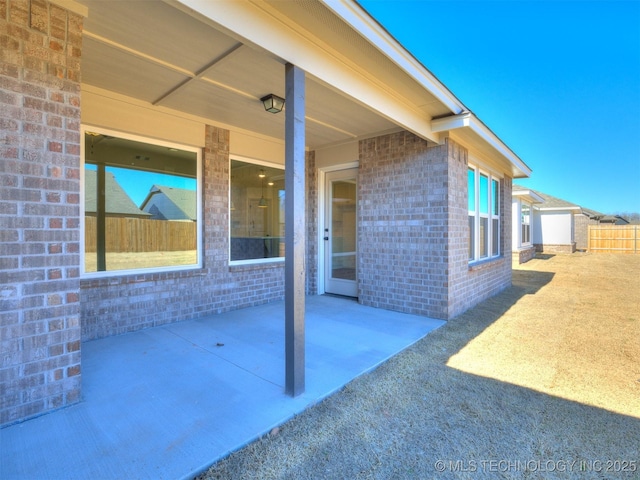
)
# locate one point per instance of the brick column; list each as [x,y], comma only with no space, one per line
[403,227]
[40,45]
[312,224]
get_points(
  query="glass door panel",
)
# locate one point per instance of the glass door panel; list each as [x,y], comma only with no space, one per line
[341,233]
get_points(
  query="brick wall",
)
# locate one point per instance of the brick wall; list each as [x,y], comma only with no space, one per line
[402,225]
[40,47]
[413,229]
[582,223]
[312,225]
[523,255]
[471,284]
[125,303]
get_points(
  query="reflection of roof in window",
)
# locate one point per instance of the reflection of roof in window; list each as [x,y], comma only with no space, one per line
[117,200]
[180,198]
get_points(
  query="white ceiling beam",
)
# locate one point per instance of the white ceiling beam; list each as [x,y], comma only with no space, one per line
[265,28]
[199,74]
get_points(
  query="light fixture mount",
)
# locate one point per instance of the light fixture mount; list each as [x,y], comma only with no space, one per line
[272,103]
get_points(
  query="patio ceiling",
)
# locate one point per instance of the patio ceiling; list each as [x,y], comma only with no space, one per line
[170,57]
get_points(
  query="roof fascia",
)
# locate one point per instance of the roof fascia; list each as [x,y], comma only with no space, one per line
[72,6]
[556,209]
[257,24]
[361,21]
[469,120]
[528,195]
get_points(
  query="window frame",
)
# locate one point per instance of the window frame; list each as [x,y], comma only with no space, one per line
[472,213]
[476,216]
[252,261]
[524,242]
[84,128]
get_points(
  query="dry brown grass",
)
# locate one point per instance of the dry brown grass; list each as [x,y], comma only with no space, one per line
[577,337]
[541,381]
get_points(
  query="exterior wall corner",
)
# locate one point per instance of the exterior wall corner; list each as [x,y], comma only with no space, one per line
[40,209]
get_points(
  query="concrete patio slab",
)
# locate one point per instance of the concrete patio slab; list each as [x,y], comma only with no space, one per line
[167,402]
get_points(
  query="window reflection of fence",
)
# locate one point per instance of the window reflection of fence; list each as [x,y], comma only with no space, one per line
[614,239]
[142,235]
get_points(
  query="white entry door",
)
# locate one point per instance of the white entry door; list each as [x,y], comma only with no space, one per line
[340,233]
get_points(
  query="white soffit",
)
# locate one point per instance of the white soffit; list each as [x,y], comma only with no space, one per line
[375,33]
[557,209]
[268,27]
[72,6]
[528,195]
[471,130]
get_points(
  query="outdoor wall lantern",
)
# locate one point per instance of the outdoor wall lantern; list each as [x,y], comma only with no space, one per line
[273,103]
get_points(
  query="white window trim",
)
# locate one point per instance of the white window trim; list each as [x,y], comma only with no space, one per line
[481,170]
[521,223]
[252,261]
[138,138]
[493,216]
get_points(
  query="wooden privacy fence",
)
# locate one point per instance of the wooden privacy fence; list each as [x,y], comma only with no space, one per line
[142,235]
[614,239]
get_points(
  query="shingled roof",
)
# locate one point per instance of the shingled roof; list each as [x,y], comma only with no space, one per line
[117,201]
[549,202]
[184,205]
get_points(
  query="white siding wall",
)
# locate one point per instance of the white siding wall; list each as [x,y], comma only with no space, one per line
[553,228]
[515,222]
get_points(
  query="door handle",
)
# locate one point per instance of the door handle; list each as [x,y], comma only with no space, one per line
[326,238]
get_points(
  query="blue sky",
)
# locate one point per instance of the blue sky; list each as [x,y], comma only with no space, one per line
[557,81]
[138,183]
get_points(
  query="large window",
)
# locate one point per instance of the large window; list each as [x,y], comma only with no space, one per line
[484,214]
[256,211]
[140,204]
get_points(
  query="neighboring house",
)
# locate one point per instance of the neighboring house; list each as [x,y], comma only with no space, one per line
[170,203]
[552,223]
[523,202]
[118,203]
[582,220]
[396,194]
[613,220]
[557,226]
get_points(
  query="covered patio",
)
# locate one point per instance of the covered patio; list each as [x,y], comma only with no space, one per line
[145,414]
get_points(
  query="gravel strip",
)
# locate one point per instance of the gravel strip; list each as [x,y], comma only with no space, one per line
[541,381]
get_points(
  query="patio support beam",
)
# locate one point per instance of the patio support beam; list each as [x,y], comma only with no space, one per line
[295,230]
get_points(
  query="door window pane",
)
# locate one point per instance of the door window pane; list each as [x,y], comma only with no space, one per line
[343,229]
